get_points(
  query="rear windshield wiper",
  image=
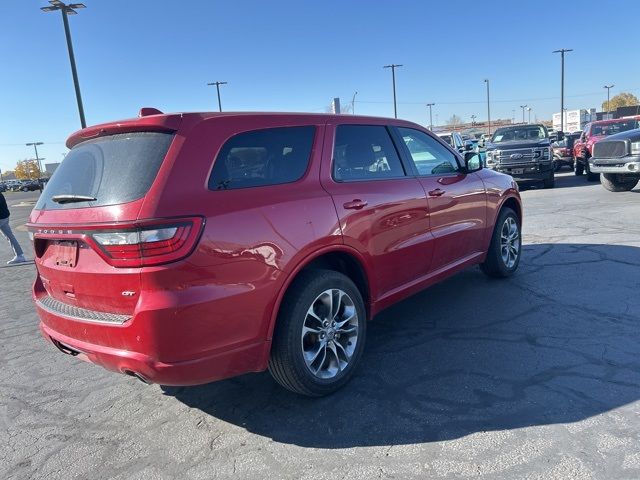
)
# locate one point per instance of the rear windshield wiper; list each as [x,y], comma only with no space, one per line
[72,198]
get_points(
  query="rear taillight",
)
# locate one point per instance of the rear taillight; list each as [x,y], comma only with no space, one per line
[148,243]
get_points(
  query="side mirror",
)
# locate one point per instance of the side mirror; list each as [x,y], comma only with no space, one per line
[560,136]
[472,162]
[468,145]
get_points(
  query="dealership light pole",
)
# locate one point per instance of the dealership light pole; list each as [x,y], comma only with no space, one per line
[529,110]
[523,107]
[353,103]
[608,87]
[562,51]
[69,10]
[430,105]
[393,67]
[473,119]
[486,80]
[217,84]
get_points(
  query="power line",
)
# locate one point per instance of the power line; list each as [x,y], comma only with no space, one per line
[513,100]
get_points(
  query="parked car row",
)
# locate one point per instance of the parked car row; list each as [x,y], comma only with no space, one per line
[20,185]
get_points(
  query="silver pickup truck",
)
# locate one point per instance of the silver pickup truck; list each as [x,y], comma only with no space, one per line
[617,159]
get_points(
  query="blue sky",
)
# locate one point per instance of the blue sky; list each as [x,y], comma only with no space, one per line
[297,55]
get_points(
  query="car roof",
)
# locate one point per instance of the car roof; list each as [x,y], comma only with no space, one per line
[172,121]
[614,120]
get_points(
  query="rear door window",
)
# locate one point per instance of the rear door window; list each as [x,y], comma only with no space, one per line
[113,169]
[259,158]
[365,152]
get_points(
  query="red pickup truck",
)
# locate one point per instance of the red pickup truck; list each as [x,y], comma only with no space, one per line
[594,131]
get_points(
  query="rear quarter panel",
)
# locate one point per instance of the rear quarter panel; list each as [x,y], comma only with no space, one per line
[253,239]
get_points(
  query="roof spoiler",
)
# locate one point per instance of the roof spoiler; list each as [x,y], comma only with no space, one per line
[146,111]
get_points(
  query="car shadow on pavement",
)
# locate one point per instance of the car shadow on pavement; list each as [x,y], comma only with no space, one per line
[564,179]
[557,343]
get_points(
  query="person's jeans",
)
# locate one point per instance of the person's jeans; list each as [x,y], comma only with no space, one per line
[8,234]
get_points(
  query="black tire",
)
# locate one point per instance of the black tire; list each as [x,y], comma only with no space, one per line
[578,168]
[550,181]
[287,364]
[557,166]
[494,265]
[591,177]
[618,183]
[24,189]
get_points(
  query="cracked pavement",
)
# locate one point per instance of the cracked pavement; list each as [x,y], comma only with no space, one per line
[537,376]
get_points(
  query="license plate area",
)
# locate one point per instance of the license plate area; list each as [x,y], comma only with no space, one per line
[517,171]
[65,253]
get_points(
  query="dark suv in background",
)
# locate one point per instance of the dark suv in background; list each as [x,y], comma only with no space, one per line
[524,152]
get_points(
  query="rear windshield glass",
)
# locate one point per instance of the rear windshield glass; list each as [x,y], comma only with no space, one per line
[114,169]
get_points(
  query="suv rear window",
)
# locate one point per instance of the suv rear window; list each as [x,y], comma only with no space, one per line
[263,157]
[113,169]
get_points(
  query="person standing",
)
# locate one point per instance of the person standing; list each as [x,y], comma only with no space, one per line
[5,228]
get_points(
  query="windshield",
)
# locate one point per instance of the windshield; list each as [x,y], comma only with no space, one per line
[607,129]
[522,133]
[447,138]
[112,170]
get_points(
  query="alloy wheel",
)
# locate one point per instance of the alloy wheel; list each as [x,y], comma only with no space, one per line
[329,333]
[510,242]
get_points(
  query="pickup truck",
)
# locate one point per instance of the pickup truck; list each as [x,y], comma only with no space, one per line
[524,152]
[593,133]
[617,160]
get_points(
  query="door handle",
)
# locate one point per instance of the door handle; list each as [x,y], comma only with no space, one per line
[436,193]
[356,204]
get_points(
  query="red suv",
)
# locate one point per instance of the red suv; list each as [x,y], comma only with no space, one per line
[186,248]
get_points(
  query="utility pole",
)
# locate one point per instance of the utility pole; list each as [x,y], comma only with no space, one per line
[562,51]
[353,103]
[523,107]
[529,110]
[217,84]
[486,80]
[393,67]
[608,87]
[430,105]
[35,147]
[70,10]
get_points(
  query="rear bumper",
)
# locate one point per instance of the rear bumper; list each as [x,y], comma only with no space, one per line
[629,165]
[193,372]
[564,160]
[170,339]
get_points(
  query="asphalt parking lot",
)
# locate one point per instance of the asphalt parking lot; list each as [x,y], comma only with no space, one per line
[537,376]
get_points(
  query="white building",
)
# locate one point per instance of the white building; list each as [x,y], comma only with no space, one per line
[574,120]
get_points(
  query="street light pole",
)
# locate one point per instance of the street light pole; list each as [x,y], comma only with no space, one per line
[430,105]
[608,87]
[523,107]
[393,67]
[70,10]
[217,84]
[473,119]
[562,51]
[529,110]
[486,80]
[353,103]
